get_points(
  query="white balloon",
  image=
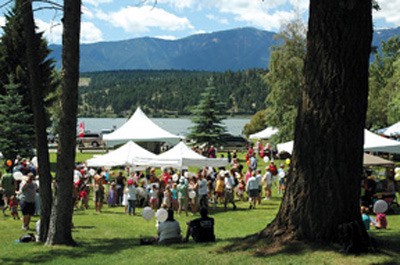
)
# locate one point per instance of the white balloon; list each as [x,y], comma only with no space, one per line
[92,172]
[175,177]
[380,206]
[18,175]
[266,159]
[161,215]
[192,194]
[397,177]
[147,213]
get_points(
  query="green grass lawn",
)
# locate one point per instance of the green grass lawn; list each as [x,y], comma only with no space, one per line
[112,237]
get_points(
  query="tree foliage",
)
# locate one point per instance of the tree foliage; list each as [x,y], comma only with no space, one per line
[207,118]
[257,123]
[384,85]
[168,93]
[16,134]
[285,80]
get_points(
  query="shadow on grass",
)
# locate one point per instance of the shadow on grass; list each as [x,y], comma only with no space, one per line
[388,245]
[96,246]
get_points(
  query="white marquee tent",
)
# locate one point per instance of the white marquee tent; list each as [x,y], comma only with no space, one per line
[181,156]
[125,155]
[372,143]
[392,130]
[139,128]
[264,134]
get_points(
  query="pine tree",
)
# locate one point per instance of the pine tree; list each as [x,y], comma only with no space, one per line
[207,118]
[13,59]
[16,134]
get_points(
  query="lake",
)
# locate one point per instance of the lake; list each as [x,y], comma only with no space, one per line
[178,126]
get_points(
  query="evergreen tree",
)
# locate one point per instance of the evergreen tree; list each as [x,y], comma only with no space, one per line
[16,134]
[208,118]
[13,59]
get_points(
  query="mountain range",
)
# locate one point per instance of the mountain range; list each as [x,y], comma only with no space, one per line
[236,49]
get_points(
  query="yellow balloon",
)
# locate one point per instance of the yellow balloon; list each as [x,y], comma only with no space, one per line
[397,177]
[287,161]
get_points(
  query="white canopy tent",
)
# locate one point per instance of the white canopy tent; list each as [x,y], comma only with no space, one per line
[264,134]
[372,143]
[139,128]
[125,155]
[181,156]
[392,130]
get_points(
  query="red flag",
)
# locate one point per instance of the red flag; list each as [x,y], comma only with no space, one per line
[81,130]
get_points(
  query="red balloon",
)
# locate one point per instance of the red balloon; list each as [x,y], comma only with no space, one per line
[9,163]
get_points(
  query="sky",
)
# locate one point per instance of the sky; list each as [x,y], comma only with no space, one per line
[114,20]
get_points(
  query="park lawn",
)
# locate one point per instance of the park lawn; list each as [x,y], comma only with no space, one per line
[112,237]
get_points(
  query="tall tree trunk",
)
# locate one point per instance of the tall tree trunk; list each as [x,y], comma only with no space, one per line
[323,189]
[39,115]
[60,231]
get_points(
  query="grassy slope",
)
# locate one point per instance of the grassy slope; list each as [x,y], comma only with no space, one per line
[112,238]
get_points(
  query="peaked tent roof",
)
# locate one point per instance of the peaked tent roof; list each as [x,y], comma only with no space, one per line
[264,134]
[125,155]
[392,130]
[372,143]
[377,143]
[370,160]
[140,128]
[182,156]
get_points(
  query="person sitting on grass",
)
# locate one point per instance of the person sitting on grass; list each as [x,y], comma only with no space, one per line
[201,229]
[169,231]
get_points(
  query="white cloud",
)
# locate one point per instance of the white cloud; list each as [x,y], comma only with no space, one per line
[2,21]
[53,32]
[96,2]
[138,19]
[166,37]
[179,4]
[390,11]
[217,19]
[90,33]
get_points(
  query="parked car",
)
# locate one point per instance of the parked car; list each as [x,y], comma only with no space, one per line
[231,141]
[90,140]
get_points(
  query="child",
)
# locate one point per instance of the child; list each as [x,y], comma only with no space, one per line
[174,192]
[381,221]
[84,195]
[167,200]
[365,217]
[112,195]
[154,197]
[240,190]
[14,207]
[131,197]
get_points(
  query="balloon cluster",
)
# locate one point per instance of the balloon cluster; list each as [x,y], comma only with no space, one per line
[148,213]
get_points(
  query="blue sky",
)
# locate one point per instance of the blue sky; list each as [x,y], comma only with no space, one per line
[111,20]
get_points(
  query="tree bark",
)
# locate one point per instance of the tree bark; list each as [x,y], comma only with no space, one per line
[323,189]
[61,217]
[39,115]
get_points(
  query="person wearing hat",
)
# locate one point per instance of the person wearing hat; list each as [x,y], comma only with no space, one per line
[131,196]
[27,200]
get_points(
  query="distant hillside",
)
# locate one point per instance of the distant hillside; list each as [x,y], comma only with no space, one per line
[168,93]
[236,49]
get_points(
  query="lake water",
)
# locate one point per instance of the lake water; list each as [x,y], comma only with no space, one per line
[178,126]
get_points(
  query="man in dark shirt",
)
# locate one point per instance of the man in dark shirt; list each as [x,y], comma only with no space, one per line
[201,229]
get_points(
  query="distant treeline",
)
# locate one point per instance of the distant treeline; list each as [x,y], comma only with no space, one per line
[168,93]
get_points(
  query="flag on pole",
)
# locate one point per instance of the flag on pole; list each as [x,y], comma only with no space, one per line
[81,130]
